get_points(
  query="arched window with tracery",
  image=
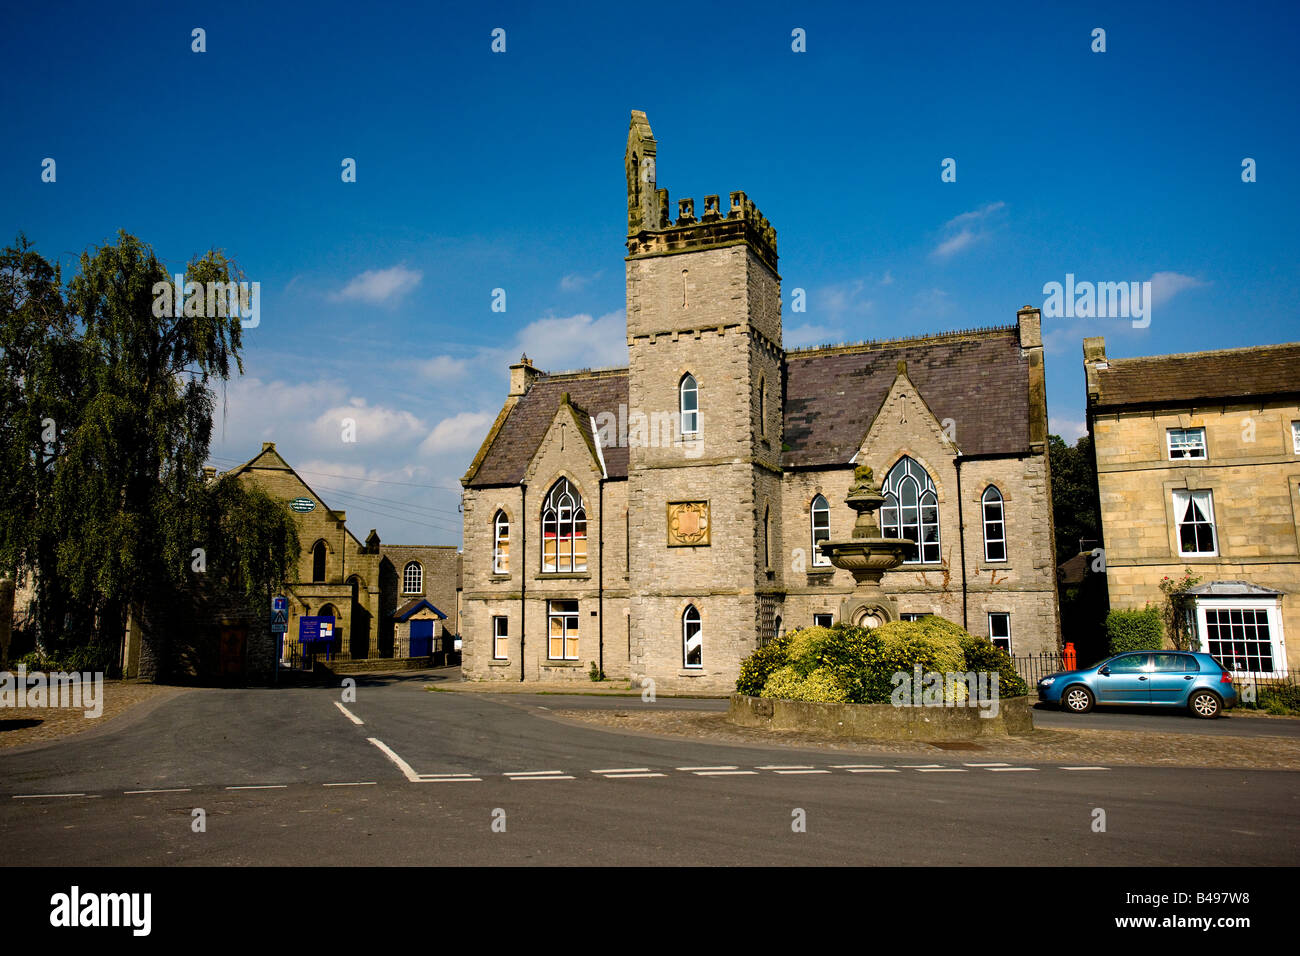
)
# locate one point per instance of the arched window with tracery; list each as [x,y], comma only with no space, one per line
[564,530]
[911,510]
[821,530]
[689,395]
[692,638]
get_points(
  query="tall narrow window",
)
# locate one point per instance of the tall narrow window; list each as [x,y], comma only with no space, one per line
[767,537]
[690,405]
[318,563]
[995,529]
[692,638]
[1000,629]
[1194,512]
[501,544]
[911,510]
[412,578]
[563,619]
[762,408]
[821,530]
[500,638]
[564,530]
[1295,437]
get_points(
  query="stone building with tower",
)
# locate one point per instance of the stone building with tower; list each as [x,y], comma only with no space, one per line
[663,519]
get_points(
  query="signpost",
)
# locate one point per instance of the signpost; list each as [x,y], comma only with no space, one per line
[279,626]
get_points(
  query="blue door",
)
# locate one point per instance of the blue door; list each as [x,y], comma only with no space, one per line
[421,638]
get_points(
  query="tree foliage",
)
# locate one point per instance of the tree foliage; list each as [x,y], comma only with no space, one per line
[1076,509]
[105,423]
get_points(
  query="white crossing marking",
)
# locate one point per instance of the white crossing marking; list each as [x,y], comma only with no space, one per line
[538,777]
[941,770]
[724,773]
[873,770]
[856,766]
[402,765]
[695,769]
[450,780]
[624,770]
[632,776]
[177,790]
[1085,768]
[787,766]
[986,765]
[38,796]
[917,766]
[263,786]
[802,771]
[532,773]
[348,714]
[1009,769]
[368,783]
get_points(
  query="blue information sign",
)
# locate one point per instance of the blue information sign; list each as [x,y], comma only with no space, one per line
[312,629]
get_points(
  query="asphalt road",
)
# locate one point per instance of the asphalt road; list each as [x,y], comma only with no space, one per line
[451,766]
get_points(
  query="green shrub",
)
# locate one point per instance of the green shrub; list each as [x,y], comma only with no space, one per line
[907,645]
[1281,699]
[821,684]
[87,657]
[983,655]
[1134,630]
[758,666]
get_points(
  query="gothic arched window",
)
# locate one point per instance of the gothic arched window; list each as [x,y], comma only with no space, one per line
[501,544]
[692,638]
[318,562]
[911,510]
[564,529]
[689,394]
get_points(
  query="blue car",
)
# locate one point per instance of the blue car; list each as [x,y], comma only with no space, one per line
[1156,678]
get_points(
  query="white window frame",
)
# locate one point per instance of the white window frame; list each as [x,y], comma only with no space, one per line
[692,633]
[827,618]
[500,562]
[1007,638]
[1185,445]
[893,519]
[418,577]
[563,513]
[1000,521]
[913,615]
[1181,499]
[1295,437]
[822,533]
[566,617]
[691,424]
[1277,640]
[500,633]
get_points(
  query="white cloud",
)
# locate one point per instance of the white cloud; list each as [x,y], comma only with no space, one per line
[843,300]
[966,229]
[1166,285]
[379,285]
[1068,429]
[375,424]
[444,367]
[802,335]
[458,433]
[576,282]
[574,341]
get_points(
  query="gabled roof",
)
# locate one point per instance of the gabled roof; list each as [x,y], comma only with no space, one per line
[591,393]
[270,459]
[413,605]
[1188,378]
[979,379]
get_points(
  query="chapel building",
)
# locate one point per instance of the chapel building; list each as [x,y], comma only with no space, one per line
[661,520]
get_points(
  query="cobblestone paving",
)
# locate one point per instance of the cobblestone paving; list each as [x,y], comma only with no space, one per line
[21,725]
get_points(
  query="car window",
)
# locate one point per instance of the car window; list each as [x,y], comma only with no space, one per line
[1174,663]
[1129,663]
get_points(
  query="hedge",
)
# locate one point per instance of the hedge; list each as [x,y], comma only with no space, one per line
[1134,630]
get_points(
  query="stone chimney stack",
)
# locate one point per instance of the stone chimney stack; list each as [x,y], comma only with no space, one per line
[522,376]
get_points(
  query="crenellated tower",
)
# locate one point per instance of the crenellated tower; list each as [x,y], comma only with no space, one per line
[703,310]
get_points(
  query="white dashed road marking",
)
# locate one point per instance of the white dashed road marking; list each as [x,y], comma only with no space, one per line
[1085,768]
[402,765]
[697,769]
[41,796]
[625,770]
[176,790]
[632,776]
[986,765]
[801,771]
[873,770]
[348,714]
[263,786]
[1009,769]
[787,766]
[724,773]
[368,783]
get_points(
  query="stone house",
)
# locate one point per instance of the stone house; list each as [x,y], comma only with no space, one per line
[1198,466]
[662,519]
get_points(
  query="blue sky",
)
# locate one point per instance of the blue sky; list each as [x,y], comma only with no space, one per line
[478,171]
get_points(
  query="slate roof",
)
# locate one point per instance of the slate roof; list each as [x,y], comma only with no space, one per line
[1232,589]
[592,393]
[979,379]
[1200,376]
[413,605]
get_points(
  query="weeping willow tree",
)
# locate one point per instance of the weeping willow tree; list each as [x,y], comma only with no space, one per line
[107,413]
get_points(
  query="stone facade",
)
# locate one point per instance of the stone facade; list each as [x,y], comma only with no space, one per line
[774,429]
[1240,409]
[361,584]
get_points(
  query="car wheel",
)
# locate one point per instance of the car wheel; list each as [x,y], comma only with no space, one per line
[1205,704]
[1077,699]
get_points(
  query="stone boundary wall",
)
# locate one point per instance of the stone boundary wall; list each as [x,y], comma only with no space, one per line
[882,721]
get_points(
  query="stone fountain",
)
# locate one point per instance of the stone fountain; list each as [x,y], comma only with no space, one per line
[867,555]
